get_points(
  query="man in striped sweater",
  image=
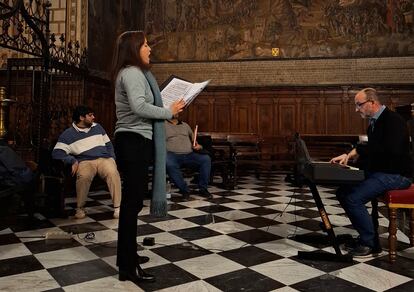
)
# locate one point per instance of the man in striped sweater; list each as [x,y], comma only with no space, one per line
[86,146]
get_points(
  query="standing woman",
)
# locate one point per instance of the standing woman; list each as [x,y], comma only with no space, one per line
[139,137]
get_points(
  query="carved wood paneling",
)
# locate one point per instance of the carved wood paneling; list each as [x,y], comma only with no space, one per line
[282,111]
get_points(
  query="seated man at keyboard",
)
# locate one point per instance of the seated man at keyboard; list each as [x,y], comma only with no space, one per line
[181,147]
[87,148]
[386,164]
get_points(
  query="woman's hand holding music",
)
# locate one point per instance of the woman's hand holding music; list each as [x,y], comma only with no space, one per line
[177,106]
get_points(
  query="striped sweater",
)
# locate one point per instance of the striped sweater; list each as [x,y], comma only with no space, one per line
[76,144]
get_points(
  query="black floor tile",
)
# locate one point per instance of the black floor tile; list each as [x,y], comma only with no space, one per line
[82,272]
[313,239]
[103,250]
[93,204]
[8,238]
[266,188]
[409,286]
[304,204]
[19,265]
[244,280]
[250,256]
[260,211]
[215,209]
[328,283]
[153,219]
[100,196]
[167,276]
[206,219]
[304,197]
[299,190]
[254,236]
[195,233]
[102,216]
[179,252]
[175,207]
[306,213]
[44,245]
[84,228]
[257,222]
[146,229]
[308,224]
[266,195]
[261,202]
[402,265]
[221,200]
[24,223]
[326,266]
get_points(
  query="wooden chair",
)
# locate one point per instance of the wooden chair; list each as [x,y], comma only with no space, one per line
[399,199]
[220,152]
[246,152]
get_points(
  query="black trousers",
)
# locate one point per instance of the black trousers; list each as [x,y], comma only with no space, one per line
[133,155]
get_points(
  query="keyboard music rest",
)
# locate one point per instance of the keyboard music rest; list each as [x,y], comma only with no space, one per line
[332,173]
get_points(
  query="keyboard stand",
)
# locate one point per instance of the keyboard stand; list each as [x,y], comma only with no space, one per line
[322,255]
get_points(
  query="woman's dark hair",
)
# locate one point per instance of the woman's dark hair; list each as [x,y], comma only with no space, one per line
[80,111]
[126,52]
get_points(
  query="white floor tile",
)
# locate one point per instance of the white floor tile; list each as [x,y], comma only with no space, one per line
[39,280]
[207,266]
[65,257]
[370,277]
[287,271]
[13,250]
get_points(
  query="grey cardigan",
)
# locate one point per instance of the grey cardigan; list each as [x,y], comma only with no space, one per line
[134,102]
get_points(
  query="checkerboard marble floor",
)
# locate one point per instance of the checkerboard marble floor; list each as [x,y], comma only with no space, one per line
[241,240]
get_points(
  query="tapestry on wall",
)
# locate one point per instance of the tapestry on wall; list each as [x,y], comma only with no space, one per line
[202,30]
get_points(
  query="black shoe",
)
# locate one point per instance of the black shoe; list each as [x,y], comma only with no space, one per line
[351,244]
[136,278]
[205,193]
[142,259]
[362,251]
[186,195]
[145,276]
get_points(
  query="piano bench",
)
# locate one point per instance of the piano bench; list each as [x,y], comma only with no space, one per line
[398,199]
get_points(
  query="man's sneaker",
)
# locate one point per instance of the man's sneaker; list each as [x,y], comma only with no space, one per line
[116,212]
[362,251]
[205,193]
[80,213]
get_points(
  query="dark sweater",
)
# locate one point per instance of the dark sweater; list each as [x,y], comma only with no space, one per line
[388,145]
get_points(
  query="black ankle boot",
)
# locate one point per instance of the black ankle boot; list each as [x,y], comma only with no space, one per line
[136,278]
[144,275]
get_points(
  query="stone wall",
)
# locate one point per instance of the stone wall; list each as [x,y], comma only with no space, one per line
[364,71]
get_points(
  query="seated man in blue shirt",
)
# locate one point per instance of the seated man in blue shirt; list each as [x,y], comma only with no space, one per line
[87,148]
[180,152]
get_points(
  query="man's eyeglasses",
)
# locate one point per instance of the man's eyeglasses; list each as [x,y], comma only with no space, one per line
[360,104]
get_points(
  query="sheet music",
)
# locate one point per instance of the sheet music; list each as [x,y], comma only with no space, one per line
[178,88]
